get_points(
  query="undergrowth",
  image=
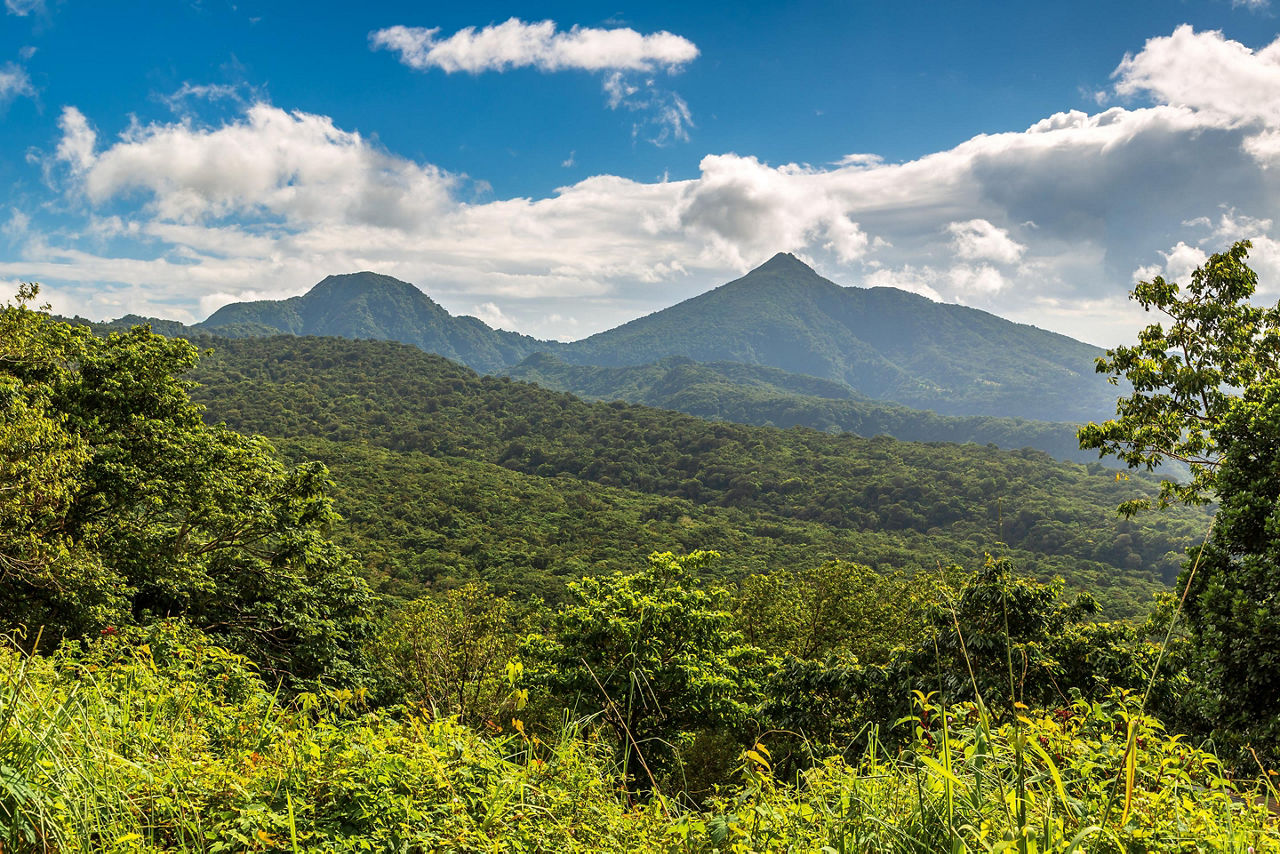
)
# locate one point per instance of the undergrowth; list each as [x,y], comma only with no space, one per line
[159,741]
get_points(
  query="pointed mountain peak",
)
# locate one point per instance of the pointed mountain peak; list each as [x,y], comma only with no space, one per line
[784,262]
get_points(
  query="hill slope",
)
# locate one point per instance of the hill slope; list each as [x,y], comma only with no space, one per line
[369,305]
[451,475]
[885,343]
[754,394]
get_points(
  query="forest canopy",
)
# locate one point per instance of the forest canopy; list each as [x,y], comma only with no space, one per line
[123,506]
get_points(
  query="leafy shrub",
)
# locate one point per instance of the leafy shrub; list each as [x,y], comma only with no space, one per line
[657,659]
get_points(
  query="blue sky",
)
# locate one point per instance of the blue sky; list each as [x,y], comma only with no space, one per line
[561,168]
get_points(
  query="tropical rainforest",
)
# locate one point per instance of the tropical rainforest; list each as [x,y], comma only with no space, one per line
[289,593]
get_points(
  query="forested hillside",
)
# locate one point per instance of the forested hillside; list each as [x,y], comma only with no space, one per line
[882,343]
[781,346]
[453,447]
[755,394]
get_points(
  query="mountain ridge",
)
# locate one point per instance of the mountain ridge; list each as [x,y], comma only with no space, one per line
[881,343]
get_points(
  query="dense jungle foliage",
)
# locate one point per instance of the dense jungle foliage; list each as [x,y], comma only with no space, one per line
[751,394]
[194,662]
[454,447]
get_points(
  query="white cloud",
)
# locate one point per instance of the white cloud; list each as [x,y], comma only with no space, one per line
[626,57]
[17,226]
[78,139]
[1045,225]
[1146,273]
[983,280]
[617,89]
[566,325]
[905,278]
[746,210]
[491,314]
[1222,79]
[1182,259]
[664,111]
[296,166]
[979,240]
[517,44]
[179,100]
[23,8]
[14,82]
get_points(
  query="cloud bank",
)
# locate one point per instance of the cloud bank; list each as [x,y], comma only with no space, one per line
[1048,225]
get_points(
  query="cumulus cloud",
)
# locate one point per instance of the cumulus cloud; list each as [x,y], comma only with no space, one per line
[517,44]
[491,314]
[1181,259]
[1046,225]
[905,278]
[1219,78]
[627,59]
[979,240]
[746,209]
[982,280]
[296,166]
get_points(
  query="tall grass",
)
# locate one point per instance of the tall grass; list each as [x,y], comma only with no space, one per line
[1037,784]
[164,743]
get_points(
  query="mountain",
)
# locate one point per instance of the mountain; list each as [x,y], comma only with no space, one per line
[885,343]
[879,343]
[755,394]
[369,305]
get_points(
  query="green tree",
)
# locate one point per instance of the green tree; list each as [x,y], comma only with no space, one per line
[991,633]
[1187,376]
[1207,393]
[1233,598]
[122,505]
[838,607]
[448,652]
[659,659]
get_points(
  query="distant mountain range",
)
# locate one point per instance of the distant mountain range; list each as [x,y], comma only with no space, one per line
[781,345]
